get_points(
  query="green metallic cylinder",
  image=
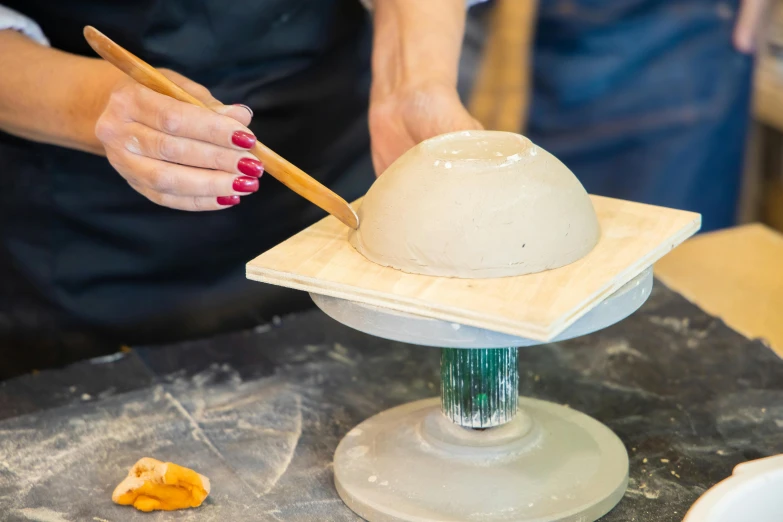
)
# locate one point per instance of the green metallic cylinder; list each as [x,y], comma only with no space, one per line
[479,387]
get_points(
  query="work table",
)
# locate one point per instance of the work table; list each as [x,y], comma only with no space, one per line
[261,412]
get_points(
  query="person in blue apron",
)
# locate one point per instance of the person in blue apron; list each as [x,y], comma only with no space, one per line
[648,100]
[127,217]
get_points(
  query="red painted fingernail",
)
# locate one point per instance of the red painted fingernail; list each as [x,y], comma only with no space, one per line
[250,167]
[245,107]
[228,200]
[245,184]
[243,139]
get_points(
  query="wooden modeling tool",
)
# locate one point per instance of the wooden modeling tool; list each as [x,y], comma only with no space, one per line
[280,168]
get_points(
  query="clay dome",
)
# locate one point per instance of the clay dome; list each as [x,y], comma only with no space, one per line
[476,204]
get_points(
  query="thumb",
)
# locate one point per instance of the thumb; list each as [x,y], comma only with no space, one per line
[451,117]
[242,113]
[460,120]
[468,122]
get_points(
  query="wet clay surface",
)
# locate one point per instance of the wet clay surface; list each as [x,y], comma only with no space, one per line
[261,412]
[494,203]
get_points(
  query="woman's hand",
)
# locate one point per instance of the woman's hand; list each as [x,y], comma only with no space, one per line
[401,119]
[416,46]
[176,154]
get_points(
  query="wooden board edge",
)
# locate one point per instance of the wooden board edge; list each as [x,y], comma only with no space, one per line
[627,275]
[406,305]
[516,328]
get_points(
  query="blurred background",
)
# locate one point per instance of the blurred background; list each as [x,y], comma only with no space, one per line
[763,194]
[654,101]
[601,85]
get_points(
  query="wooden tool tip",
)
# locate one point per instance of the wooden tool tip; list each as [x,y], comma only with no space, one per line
[95,38]
[353,220]
[90,31]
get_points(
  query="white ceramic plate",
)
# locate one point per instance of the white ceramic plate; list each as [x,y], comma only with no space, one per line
[753,493]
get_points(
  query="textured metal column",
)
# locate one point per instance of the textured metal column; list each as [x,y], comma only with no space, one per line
[479,387]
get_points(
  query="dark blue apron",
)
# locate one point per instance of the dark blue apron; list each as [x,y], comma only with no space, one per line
[645,100]
[84,256]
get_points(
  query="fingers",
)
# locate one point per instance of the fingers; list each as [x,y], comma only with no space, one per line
[177,118]
[145,141]
[747,28]
[190,204]
[242,113]
[179,180]
[462,120]
[176,154]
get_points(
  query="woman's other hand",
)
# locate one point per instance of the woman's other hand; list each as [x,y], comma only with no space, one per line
[415,58]
[409,115]
[176,154]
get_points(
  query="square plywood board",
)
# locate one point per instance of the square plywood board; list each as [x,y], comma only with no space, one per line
[537,306]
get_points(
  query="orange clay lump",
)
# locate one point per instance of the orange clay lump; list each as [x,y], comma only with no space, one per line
[152,485]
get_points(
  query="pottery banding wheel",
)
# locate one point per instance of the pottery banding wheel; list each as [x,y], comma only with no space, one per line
[478,204]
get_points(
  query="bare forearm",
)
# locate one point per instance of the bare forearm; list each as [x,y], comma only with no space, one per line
[416,42]
[50,96]
[414,65]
